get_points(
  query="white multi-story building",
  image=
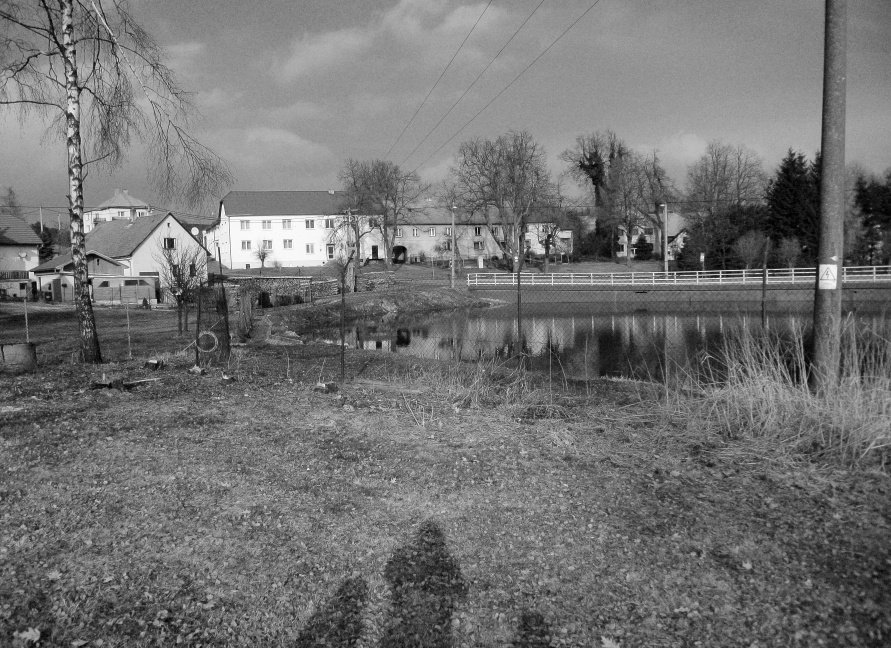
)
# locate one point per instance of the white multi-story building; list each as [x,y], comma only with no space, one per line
[290,228]
[305,228]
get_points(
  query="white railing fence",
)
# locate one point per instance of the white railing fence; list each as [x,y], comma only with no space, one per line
[854,274]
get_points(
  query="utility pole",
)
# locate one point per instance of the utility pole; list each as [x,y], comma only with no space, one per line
[828,293]
[663,207]
[454,259]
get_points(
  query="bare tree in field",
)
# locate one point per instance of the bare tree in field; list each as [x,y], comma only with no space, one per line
[90,69]
[505,180]
[750,247]
[725,176]
[624,184]
[182,269]
[381,189]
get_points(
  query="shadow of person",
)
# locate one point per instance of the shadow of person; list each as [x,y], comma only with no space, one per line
[426,583]
[339,623]
[533,631]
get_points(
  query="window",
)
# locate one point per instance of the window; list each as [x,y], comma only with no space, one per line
[478,245]
[496,231]
[192,270]
[329,223]
[286,223]
[448,231]
[267,224]
[245,245]
[169,243]
[415,232]
[398,232]
[648,231]
[477,231]
[309,247]
[247,266]
[104,284]
[245,225]
[447,246]
[288,244]
[122,214]
[329,250]
[432,231]
[267,244]
[140,213]
[310,224]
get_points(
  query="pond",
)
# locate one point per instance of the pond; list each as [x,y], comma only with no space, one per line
[578,342]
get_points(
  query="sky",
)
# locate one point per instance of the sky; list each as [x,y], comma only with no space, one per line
[289,89]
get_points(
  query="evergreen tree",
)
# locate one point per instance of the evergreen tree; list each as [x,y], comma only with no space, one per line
[793,202]
[873,200]
[45,251]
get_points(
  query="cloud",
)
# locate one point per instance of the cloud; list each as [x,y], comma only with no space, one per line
[318,52]
[420,31]
[274,158]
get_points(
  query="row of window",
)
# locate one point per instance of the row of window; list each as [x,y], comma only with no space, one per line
[309,223]
[288,244]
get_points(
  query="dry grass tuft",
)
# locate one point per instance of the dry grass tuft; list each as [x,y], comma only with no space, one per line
[762,394]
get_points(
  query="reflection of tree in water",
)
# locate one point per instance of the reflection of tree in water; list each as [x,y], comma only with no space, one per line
[339,623]
[426,583]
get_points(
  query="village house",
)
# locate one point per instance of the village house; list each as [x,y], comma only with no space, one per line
[677,234]
[121,206]
[19,250]
[124,260]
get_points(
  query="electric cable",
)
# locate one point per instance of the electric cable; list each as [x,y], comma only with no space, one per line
[503,90]
[473,83]
[442,74]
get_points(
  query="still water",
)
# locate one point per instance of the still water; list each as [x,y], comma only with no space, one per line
[578,342]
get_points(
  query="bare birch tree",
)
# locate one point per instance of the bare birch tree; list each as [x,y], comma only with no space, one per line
[504,180]
[101,79]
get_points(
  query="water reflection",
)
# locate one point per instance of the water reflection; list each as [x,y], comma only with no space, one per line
[578,342]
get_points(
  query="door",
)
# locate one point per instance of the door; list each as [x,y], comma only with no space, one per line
[374,252]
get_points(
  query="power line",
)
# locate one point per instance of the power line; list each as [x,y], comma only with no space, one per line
[515,79]
[442,74]
[473,83]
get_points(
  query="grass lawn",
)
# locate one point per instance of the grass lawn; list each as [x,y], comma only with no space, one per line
[425,505]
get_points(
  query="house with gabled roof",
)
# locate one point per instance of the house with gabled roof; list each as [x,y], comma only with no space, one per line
[293,228]
[121,206]
[124,259]
[19,251]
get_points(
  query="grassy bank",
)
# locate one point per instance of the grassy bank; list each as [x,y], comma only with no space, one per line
[464,503]
[759,390]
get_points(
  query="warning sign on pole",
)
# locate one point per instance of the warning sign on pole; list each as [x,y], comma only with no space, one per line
[827,276]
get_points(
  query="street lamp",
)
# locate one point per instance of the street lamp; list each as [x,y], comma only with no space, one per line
[662,207]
